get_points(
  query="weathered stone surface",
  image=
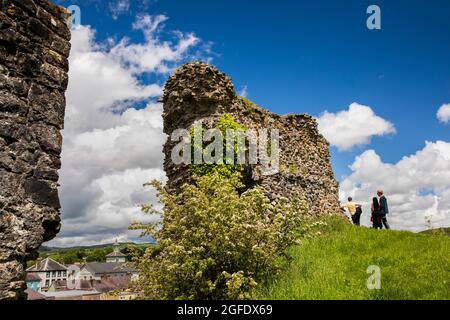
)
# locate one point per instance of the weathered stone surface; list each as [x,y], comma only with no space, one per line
[34,49]
[197,91]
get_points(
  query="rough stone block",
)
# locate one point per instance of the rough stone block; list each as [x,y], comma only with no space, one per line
[197,91]
[34,50]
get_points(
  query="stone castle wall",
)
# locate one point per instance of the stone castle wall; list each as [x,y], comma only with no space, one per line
[197,91]
[34,48]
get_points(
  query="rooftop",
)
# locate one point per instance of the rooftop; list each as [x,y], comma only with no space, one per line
[32,277]
[47,264]
[33,295]
[106,284]
[116,255]
[69,293]
[101,267]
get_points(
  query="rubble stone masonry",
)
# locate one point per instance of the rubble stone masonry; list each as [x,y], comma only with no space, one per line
[197,91]
[34,50]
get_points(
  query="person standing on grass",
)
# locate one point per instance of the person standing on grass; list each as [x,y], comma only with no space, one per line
[376,214]
[384,208]
[354,209]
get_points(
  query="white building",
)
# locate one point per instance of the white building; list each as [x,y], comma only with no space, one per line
[116,256]
[73,279]
[98,271]
[92,274]
[49,271]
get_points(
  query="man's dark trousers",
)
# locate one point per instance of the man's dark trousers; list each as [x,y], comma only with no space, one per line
[384,211]
[356,219]
[385,223]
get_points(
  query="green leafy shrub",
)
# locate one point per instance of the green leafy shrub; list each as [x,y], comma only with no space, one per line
[224,123]
[215,243]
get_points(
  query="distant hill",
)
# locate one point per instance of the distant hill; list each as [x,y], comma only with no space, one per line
[45,249]
[440,231]
[78,254]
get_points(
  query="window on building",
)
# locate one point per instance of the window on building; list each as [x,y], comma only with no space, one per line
[48,275]
[47,282]
[64,274]
[54,274]
[59,273]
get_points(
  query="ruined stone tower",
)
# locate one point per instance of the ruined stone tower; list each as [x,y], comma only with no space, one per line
[197,91]
[34,47]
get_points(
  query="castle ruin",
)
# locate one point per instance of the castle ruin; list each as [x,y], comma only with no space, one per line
[197,91]
[34,50]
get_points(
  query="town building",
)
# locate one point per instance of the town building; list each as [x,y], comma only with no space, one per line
[73,279]
[103,278]
[58,285]
[49,271]
[110,280]
[72,295]
[34,295]
[33,282]
[116,256]
[98,270]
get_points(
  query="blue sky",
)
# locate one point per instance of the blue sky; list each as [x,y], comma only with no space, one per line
[298,56]
[313,56]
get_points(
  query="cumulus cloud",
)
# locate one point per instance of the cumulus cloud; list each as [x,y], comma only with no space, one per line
[418,186]
[353,127]
[154,55]
[113,134]
[443,113]
[119,7]
[244,92]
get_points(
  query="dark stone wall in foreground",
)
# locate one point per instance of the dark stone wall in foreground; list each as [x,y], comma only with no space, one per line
[34,50]
[197,91]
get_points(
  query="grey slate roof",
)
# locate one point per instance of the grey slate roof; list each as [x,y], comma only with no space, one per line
[47,265]
[107,284]
[115,255]
[112,283]
[32,295]
[102,268]
[32,277]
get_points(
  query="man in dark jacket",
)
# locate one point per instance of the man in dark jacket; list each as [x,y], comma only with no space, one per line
[384,208]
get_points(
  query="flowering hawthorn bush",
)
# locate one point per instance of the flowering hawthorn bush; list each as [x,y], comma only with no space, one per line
[215,243]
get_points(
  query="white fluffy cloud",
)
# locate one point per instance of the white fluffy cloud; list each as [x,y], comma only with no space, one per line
[355,126]
[119,7]
[417,186]
[153,55]
[113,134]
[244,92]
[443,113]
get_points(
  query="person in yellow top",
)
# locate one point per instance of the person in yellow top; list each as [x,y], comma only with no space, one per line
[354,209]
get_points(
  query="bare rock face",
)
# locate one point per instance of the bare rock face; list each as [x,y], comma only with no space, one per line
[197,91]
[34,47]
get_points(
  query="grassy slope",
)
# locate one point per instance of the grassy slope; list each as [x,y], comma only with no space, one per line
[334,266]
[441,231]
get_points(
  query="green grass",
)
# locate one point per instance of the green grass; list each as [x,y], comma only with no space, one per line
[334,266]
[439,231]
